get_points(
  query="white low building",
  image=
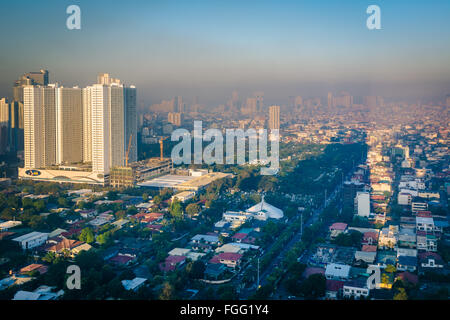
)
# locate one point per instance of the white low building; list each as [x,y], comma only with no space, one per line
[41,293]
[356,289]
[5,226]
[32,240]
[424,224]
[404,198]
[336,271]
[183,196]
[362,203]
[368,257]
[236,218]
[179,252]
[134,284]
[264,211]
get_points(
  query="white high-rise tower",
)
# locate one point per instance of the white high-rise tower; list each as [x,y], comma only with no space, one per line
[69,125]
[39,126]
[114,121]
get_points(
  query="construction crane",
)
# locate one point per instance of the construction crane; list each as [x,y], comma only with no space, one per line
[161,147]
[128,151]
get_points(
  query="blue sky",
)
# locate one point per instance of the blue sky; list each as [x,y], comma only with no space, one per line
[208,48]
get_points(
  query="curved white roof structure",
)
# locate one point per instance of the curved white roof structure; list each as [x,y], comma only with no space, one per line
[264,211]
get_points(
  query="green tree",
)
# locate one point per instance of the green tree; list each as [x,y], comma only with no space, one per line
[87,235]
[167,292]
[313,287]
[263,292]
[401,294]
[192,209]
[62,202]
[27,203]
[115,288]
[390,268]
[226,292]
[196,269]
[104,238]
[87,260]
[13,202]
[53,221]
[39,205]
[51,258]
[157,200]
[176,209]
[132,211]
[112,195]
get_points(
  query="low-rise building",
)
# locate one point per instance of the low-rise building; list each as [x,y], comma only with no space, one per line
[404,199]
[426,241]
[134,284]
[41,293]
[31,240]
[407,263]
[229,259]
[424,224]
[430,260]
[356,288]
[336,271]
[337,228]
[183,196]
[388,237]
[334,289]
[418,205]
[366,256]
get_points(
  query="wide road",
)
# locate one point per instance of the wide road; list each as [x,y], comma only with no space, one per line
[245,293]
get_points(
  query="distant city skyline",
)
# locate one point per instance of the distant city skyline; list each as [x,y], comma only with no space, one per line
[209,49]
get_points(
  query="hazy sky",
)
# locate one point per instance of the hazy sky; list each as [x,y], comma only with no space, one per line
[208,48]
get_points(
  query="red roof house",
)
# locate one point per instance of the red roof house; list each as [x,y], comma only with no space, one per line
[230,259]
[171,263]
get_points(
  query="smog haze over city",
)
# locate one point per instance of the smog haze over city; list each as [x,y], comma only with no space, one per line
[209,48]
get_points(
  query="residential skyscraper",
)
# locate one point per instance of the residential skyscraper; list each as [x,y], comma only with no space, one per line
[114,121]
[69,125]
[31,78]
[17,129]
[100,95]
[259,101]
[15,126]
[105,78]
[370,102]
[9,123]
[66,126]
[298,101]
[291,102]
[174,118]
[39,126]
[131,122]
[344,100]
[87,124]
[39,78]
[250,106]
[4,126]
